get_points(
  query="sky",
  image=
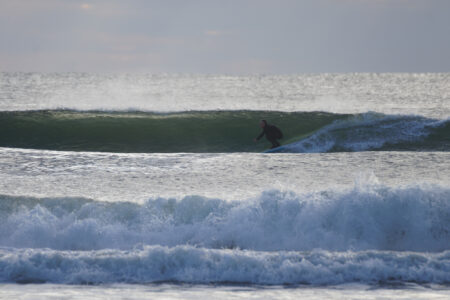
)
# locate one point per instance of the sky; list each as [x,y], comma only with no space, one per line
[225,36]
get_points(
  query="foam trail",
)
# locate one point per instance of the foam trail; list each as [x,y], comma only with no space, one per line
[199,265]
[373,131]
[370,216]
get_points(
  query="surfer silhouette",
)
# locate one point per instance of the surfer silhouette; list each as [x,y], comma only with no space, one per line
[272,133]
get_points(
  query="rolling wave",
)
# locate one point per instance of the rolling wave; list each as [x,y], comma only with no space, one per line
[218,131]
[198,265]
[372,131]
[368,234]
[367,217]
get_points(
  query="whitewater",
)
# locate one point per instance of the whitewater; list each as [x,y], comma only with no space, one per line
[137,185]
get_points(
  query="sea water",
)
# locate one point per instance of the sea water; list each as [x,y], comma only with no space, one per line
[132,186]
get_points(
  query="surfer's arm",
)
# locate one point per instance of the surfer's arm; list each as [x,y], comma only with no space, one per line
[260,136]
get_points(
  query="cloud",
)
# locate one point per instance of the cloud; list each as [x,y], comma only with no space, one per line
[213,32]
[210,36]
[86,6]
[216,33]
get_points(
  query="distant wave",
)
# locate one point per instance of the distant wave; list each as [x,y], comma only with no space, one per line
[218,131]
[367,217]
[198,265]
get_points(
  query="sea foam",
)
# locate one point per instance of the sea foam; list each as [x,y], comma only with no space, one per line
[199,265]
[366,217]
[374,131]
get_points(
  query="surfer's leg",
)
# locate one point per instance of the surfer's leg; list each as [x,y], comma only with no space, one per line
[274,143]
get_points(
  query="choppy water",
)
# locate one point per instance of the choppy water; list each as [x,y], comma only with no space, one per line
[139,179]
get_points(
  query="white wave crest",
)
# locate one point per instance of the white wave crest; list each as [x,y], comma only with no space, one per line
[199,265]
[369,216]
[368,131]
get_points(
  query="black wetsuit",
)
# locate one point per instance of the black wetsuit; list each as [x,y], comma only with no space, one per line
[272,134]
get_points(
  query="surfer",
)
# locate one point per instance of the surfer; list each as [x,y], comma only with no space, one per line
[272,133]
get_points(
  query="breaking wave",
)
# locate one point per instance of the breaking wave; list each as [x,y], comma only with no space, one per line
[370,234]
[218,131]
[367,217]
[198,265]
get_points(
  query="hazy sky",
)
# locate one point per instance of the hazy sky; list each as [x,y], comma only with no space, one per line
[225,36]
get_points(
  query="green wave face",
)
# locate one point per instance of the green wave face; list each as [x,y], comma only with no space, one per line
[219,131]
[210,131]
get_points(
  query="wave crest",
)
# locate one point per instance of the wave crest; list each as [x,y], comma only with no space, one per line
[373,131]
[218,131]
[198,265]
[367,217]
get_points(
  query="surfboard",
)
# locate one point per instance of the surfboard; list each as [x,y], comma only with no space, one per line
[279,149]
[287,147]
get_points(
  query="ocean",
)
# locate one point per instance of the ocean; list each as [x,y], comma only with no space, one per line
[120,186]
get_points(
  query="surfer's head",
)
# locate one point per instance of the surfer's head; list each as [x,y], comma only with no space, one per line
[262,123]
